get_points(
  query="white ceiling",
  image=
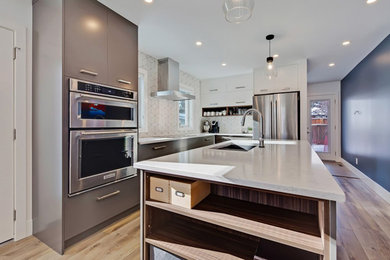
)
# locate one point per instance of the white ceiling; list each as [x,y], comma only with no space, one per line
[312,29]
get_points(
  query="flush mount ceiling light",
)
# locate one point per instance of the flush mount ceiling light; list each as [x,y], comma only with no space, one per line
[370,1]
[331,64]
[198,43]
[276,55]
[148,1]
[237,11]
[271,71]
[223,64]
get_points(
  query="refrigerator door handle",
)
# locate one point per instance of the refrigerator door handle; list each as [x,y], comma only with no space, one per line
[276,119]
[272,115]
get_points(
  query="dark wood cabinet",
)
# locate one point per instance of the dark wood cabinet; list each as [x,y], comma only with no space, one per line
[85,40]
[153,150]
[122,52]
[100,45]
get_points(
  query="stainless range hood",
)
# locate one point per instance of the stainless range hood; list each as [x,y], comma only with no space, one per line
[168,81]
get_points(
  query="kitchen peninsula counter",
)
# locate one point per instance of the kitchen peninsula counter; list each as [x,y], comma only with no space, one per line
[286,178]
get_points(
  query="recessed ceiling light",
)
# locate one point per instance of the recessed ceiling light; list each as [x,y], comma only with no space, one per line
[276,55]
[370,1]
[331,64]
[198,43]
[223,64]
[346,43]
[148,1]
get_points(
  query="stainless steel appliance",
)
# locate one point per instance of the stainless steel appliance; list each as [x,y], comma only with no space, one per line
[281,115]
[99,157]
[103,135]
[98,106]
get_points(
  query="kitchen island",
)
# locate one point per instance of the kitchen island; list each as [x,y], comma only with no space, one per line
[280,195]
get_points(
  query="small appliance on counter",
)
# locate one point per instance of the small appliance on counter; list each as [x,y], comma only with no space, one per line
[214,127]
[206,126]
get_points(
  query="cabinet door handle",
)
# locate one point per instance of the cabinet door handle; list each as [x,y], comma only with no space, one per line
[286,88]
[207,139]
[124,81]
[92,73]
[240,87]
[159,147]
[108,195]
[263,90]
[213,90]
[240,102]
[213,104]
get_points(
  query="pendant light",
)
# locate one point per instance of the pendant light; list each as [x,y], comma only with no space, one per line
[237,11]
[271,71]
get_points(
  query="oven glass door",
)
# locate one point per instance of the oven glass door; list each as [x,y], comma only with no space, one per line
[95,111]
[99,157]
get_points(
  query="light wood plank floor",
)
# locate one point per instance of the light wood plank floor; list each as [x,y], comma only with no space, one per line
[363,230]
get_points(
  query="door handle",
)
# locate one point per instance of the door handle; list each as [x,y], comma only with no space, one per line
[159,147]
[124,81]
[108,195]
[92,73]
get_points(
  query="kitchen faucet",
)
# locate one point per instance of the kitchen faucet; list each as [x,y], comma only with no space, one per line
[261,136]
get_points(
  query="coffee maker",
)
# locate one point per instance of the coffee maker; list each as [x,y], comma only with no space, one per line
[214,127]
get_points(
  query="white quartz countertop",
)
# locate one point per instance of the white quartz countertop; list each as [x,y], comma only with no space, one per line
[290,167]
[160,139]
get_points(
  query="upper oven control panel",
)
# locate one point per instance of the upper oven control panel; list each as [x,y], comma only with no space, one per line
[91,88]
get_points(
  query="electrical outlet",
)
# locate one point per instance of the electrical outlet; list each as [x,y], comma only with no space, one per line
[356,161]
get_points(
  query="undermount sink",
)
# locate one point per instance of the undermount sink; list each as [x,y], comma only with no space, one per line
[235,147]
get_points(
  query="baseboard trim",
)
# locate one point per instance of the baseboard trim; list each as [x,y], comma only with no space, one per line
[382,192]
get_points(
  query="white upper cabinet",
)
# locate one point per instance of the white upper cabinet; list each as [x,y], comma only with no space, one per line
[286,80]
[228,91]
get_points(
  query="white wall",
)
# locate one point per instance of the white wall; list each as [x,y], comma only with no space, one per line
[162,115]
[18,14]
[330,88]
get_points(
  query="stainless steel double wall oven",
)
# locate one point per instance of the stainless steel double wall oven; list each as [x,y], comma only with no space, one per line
[103,135]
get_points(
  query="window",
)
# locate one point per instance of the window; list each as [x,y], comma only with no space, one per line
[142,100]
[185,111]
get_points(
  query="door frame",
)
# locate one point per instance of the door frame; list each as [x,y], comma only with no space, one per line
[22,123]
[333,154]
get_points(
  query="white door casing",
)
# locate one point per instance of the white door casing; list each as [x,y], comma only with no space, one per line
[6,134]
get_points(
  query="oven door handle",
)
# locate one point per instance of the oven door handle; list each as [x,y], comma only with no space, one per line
[86,96]
[119,133]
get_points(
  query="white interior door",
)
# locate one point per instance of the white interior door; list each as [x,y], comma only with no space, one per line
[6,134]
[322,125]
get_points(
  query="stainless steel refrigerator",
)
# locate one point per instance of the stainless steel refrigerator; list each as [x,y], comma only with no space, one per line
[281,115]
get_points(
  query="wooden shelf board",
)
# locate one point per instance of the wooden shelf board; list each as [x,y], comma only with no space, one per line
[287,227]
[193,241]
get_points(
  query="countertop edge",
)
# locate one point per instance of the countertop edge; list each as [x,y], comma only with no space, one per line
[264,186]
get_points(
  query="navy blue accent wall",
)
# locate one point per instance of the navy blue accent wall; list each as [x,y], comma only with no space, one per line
[365,115]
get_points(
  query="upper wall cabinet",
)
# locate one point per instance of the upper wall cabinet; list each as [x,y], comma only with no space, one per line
[100,45]
[228,91]
[286,80]
[85,40]
[122,52]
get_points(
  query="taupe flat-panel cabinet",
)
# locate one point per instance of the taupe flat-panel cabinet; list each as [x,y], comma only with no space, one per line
[86,40]
[122,52]
[100,45]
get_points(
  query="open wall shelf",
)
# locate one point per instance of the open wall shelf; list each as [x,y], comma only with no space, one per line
[226,111]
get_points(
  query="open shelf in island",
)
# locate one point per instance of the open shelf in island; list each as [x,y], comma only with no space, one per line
[247,215]
[288,227]
[191,239]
